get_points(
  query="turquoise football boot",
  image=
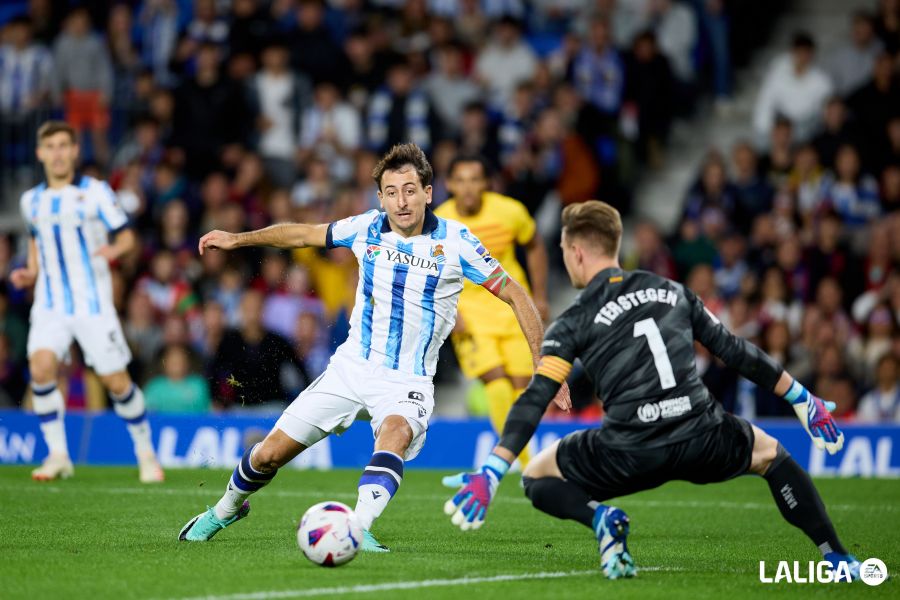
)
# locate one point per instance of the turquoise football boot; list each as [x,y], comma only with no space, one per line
[611,526]
[204,526]
[370,544]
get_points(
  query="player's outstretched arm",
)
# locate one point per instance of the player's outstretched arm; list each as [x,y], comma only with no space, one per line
[286,235]
[25,277]
[760,368]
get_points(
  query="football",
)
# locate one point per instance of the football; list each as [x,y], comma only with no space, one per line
[329,534]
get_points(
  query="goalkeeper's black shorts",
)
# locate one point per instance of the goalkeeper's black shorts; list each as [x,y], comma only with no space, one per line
[717,454]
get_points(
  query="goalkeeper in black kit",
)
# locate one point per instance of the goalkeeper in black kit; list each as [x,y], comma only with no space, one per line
[634,333]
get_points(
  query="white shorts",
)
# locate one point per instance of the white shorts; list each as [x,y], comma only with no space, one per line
[353,388]
[100,337]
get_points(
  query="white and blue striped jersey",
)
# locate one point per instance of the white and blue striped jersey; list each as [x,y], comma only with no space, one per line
[408,287]
[69,225]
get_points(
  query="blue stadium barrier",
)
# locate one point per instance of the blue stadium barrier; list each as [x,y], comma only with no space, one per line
[219,441]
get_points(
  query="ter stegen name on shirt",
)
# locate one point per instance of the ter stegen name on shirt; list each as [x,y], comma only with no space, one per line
[611,310]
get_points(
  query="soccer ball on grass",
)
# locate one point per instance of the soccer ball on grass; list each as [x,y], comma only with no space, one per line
[329,534]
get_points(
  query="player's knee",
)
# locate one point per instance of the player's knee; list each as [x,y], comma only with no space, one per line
[117,384]
[394,434]
[766,450]
[43,368]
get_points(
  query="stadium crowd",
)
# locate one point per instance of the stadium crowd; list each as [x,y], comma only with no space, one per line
[235,115]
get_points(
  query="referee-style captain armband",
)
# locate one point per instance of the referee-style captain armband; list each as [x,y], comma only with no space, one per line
[554,367]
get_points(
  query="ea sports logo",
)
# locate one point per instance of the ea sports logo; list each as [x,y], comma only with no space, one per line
[873,571]
[648,412]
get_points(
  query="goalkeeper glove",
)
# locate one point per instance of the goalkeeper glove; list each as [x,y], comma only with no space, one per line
[470,504]
[814,413]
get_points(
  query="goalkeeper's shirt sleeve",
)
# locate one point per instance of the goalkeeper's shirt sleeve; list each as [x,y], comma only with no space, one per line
[736,352]
[558,351]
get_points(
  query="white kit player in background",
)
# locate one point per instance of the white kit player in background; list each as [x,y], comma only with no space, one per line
[412,266]
[71,219]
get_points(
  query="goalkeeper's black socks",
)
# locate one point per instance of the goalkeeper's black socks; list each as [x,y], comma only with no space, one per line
[800,503]
[560,498]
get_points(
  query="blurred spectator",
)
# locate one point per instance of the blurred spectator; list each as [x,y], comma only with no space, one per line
[13,328]
[142,332]
[882,403]
[332,129]
[281,96]
[794,88]
[504,62]
[400,112]
[777,164]
[650,252]
[865,351]
[126,62]
[676,29]
[85,77]
[26,76]
[251,27]
[211,115]
[850,64]
[837,130]
[731,268]
[313,50]
[12,377]
[598,71]
[712,193]
[753,192]
[877,101]
[159,34]
[475,135]
[807,181]
[177,390]
[449,89]
[853,195]
[649,84]
[254,367]
[887,25]
[890,189]
[282,309]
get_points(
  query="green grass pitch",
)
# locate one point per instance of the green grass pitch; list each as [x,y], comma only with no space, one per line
[104,535]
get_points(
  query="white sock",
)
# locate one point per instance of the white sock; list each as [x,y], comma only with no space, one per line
[244,481]
[131,409]
[50,407]
[378,484]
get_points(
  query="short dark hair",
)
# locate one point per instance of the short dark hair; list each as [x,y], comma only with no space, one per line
[595,222]
[403,155]
[470,158]
[803,40]
[53,127]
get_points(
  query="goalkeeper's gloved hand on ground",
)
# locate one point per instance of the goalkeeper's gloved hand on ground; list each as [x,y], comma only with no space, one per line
[815,415]
[470,503]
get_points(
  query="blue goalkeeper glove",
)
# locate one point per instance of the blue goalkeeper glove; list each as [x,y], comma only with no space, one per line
[470,504]
[815,415]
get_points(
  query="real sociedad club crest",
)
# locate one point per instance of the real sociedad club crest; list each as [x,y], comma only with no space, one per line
[372,251]
[437,253]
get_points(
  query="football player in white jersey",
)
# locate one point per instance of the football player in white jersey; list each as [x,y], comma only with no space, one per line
[412,267]
[72,219]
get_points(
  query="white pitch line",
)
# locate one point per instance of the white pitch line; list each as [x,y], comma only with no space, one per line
[397,585]
[213,491]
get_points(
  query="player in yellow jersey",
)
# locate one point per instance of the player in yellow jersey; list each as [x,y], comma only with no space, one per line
[488,341]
